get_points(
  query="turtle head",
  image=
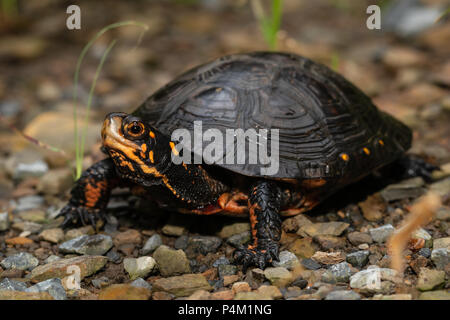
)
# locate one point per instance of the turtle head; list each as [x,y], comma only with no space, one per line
[136,148]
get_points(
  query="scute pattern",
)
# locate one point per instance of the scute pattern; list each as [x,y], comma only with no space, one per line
[319,114]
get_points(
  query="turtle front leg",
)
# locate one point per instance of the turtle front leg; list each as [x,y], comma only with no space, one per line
[90,195]
[264,203]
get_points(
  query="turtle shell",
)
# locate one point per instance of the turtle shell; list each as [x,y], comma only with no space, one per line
[328,128]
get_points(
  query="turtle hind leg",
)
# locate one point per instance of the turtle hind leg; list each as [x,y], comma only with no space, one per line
[264,204]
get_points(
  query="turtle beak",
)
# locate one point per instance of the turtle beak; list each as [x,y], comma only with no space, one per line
[112,130]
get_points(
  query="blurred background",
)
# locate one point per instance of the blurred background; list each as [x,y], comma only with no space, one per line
[404,66]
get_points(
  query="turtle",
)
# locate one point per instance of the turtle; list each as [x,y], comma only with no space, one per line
[329,134]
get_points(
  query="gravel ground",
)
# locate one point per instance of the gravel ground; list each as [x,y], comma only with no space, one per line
[336,252]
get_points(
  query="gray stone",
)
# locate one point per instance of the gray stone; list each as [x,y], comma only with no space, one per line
[53,235]
[358,238]
[343,295]
[182,286]
[101,282]
[358,259]
[151,244]
[171,262]
[340,272]
[24,170]
[4,221]
[139,267]
[113,256]
[441,243]
[181,242]
[141,283]
[441,187]
[287,260]
[52,258]
[29,202]
[239,239]
[12,285]
[21,261]
[371,279]
[443,214]
[203,244]
[411,188]
[221,260]
[440,257]
[382,233]
[226,270]
[425,252]
[311,264]
[233,229]
[52,286]
[97,244]
[334,228]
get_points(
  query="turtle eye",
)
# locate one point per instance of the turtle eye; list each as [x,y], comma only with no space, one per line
[135,129]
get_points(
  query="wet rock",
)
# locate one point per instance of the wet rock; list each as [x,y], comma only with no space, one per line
[78,232]
[310,264]
[141,283]
[29,202]
[25,226]
[440,258]
[139,267]
[52,286]
[87,265]
[325,228]
[358,259]
[410,188]
[233,229]
[435,295]
[54,235]
[151,244]
[287,260]
[226,270]
[278,276]
[55,181]
[12,285]
[203,244]
[171,262]
[330,242]
[21,261]
[239,239]
[343,295]
[430,279]
[357,238]
[182,286]
[340,272]
[328,257]
[382,233]
[4,221]
[124,292]
[20,295]
[97,244]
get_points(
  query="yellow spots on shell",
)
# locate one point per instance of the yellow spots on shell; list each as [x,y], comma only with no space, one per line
[366,150]
[381,142]
[150,155]
[172,146]
[152,134]
[344,156]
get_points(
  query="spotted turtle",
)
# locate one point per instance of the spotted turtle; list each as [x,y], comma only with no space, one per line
[330,135]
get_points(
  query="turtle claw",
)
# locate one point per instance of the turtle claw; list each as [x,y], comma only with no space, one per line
[75,215]
[261,256]
[417,167]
